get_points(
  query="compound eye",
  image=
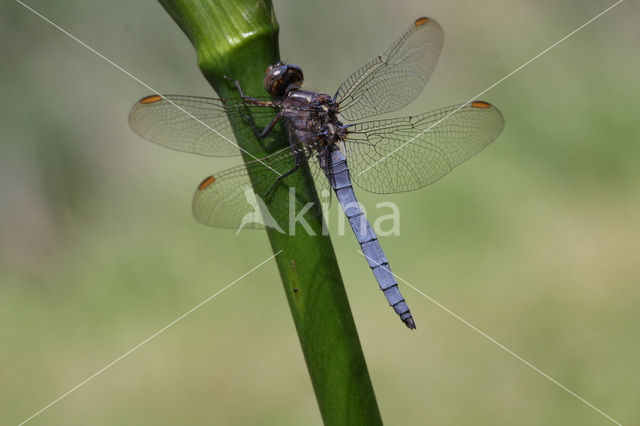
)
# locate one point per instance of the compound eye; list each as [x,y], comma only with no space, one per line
[295,74]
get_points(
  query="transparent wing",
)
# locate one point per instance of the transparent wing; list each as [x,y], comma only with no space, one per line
[404,154]
[323,187]
[192,124]
[228,200]
[394,78]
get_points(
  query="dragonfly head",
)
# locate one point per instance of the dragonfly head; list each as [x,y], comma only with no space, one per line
[282,78]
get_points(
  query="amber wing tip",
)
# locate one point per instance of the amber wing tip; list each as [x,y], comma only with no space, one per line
[480,104]
[206,182]
[421,21]
[150,99]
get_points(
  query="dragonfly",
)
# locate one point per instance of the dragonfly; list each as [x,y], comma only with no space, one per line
[329,135]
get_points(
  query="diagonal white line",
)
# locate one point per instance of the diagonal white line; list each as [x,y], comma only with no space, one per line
[146,340]
[128,74]
[500,345]
[493,85]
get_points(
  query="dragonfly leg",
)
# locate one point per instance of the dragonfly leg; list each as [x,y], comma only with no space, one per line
[254,101]
[262,134]
[249,99]
[282,176]
[297,155]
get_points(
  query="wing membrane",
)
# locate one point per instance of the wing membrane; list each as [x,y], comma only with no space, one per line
[192,124]
[228,200]
[394,78]
[404,154]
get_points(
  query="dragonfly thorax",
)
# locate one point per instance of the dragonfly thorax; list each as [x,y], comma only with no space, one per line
[312,118]
[325,108]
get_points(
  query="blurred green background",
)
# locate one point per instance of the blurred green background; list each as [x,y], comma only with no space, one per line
[536,241]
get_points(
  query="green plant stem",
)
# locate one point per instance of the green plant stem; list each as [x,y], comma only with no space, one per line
[239,39]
